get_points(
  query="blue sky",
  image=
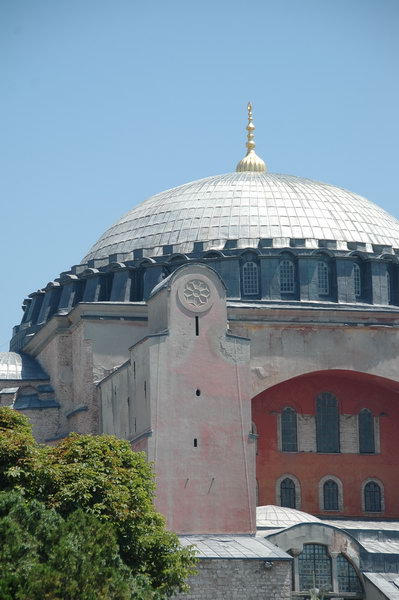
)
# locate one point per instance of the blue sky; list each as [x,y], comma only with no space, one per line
[104,103]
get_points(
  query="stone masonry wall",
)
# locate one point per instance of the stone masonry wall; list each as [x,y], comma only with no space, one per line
[237,579]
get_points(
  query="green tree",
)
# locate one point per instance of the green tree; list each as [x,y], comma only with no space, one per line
[103,477]
[44,556]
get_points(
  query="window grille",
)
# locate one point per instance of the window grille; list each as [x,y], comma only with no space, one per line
[327,423]
[366,432]
[289,441]
[287,493]
[330,495]
[322,277]
[372,497]
[314,566]
[287,276]
[348,581]
[357,281]
[250,279]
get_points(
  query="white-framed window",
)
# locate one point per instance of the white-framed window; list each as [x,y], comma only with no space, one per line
[357,280]
[287,276]
[250,279]
[323,278]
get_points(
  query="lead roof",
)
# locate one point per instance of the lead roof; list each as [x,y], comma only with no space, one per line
[247,207]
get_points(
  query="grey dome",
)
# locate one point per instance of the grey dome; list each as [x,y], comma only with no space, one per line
[247,207]
[15,365]
[280,516]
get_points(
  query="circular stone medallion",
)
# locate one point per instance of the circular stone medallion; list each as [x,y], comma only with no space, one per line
[195,294]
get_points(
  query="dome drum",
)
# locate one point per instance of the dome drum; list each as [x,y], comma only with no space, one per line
[306,276]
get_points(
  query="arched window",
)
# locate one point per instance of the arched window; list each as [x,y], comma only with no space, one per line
[372,497]
[366,432]
[287,493]
[348,581]
[357,280]
[330,495]
[314,566]
[327,423]
[323,278]
[287,277]
[250,279]
[289,442]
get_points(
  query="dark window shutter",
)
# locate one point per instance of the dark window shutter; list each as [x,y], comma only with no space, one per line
[366,432]
[289,442]
[327,423]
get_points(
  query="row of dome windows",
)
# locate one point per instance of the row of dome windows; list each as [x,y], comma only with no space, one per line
[328,427]
[287,277]
[330,494]
[282,277]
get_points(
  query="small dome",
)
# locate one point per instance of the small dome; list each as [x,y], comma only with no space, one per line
[14,365]
[247,207]
[280,516]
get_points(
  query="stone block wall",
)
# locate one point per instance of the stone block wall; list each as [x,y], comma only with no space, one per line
[236,579]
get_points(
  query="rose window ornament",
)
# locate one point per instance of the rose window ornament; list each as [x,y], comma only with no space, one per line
[196,292]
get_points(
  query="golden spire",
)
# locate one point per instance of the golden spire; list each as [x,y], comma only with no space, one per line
[251,161]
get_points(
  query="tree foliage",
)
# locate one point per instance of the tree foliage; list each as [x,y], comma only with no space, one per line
[101,476]
[46,557]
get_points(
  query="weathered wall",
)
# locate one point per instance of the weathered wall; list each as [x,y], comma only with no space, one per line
[353,391]
[56,358]
[287,343]
[200,411]
[219,579]
[115,404]
[44,422]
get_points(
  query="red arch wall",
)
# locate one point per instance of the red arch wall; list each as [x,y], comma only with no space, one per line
[353,391]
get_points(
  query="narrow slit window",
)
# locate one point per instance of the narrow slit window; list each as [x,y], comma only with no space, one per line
[388,280]
[357,280]
[196,325]
[366,432]
[289,442]
[327,423]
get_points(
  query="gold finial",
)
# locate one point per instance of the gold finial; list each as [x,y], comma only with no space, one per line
[251,161]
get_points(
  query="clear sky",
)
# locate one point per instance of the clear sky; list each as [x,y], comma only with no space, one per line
[106,102]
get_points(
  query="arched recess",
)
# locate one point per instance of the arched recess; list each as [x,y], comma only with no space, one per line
[354,392]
